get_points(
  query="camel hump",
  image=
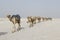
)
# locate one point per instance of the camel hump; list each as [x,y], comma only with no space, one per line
[16,16]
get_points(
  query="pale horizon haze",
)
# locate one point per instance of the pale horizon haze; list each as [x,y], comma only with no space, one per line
[24,8]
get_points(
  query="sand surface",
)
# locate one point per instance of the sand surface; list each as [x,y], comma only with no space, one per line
[47,30]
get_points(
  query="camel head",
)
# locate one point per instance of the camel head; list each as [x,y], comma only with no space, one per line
[9,17]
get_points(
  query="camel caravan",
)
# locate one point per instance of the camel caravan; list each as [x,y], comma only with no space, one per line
[36,19]
[30,19]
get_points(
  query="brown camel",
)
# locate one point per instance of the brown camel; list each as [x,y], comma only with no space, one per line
[38,18]
[31,20]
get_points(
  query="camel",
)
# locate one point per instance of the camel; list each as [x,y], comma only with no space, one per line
[38,19]
[49,18]
[46,18]
[15,19]
[31,20]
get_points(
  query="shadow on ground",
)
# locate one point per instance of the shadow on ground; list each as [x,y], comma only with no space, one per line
[3,33]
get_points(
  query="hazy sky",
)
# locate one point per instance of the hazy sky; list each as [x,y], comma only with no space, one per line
[24,8]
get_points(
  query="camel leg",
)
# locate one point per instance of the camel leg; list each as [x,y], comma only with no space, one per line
[31,24]
[38,20]
[14,29]
[19,27]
